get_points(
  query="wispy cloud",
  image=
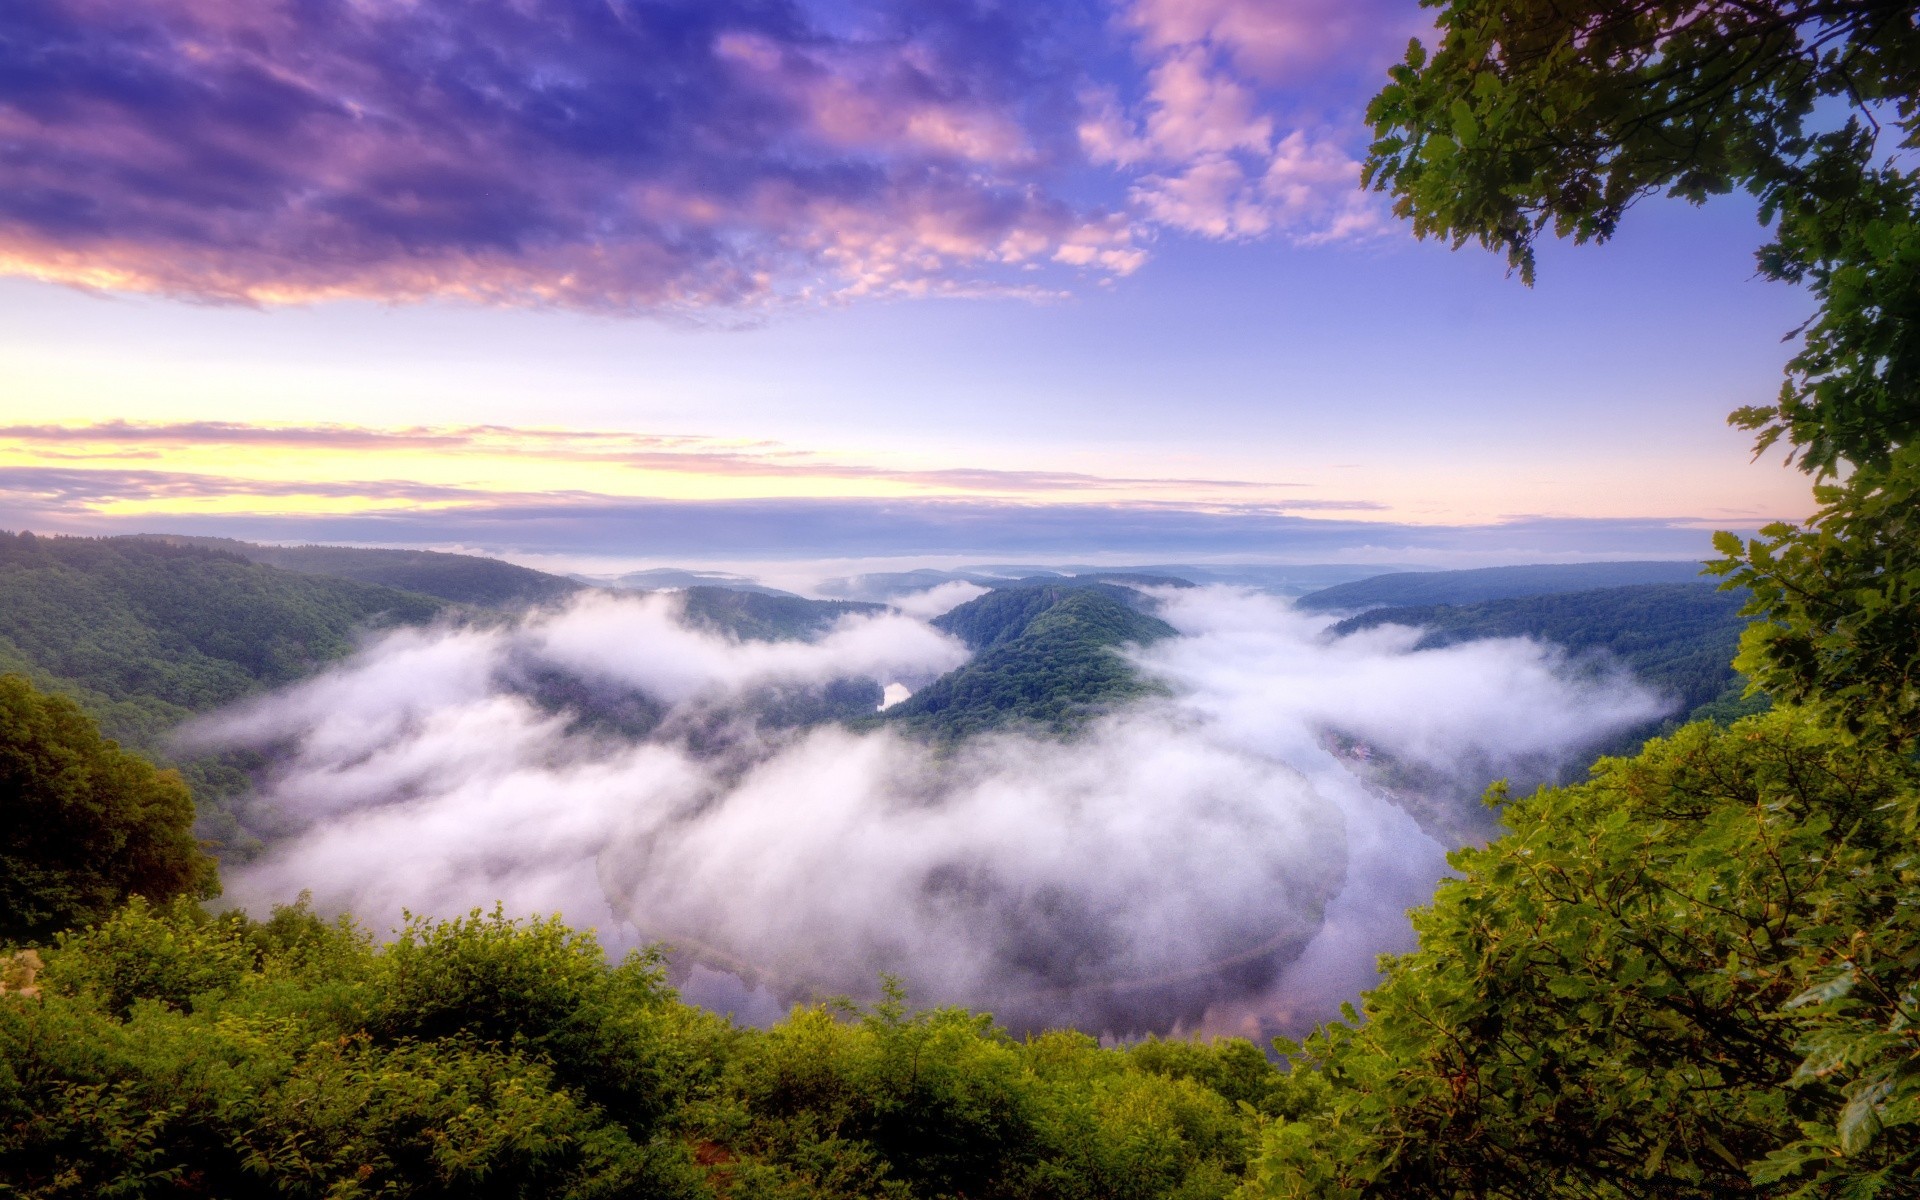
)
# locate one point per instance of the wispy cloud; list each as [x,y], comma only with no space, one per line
[672,454]
[93,487]
[1224,134]
[649,155]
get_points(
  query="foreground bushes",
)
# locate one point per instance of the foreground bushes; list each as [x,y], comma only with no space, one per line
[1693,975]
[175,1054]
[83,823]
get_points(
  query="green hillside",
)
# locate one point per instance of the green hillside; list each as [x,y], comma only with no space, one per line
[462,578]
[1492,583]
[1043,655]
[1678,638]
[766,616]
[145,634]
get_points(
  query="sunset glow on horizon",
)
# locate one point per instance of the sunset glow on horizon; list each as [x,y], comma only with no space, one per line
[299,272]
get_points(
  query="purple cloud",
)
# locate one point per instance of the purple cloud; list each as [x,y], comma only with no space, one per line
[634,155]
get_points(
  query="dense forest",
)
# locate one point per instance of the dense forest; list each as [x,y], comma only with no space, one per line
[1677,638]
[765,616]
[460,578]
[145,634]
[1045,655]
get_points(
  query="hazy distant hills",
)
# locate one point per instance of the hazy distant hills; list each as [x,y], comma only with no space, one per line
[1492,583]
[664,578]
[1044,655]
[1678,638]
[1289,579]
[462,578]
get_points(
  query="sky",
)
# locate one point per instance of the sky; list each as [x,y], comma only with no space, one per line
[637,281]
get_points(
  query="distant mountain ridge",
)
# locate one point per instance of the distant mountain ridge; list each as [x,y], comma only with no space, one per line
[1493,583]
[461,578]
[656,579]
[1678,638]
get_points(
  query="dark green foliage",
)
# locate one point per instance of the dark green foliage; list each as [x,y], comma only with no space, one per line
[461,578]
[1408,588]
[158,631]
[175,1054]
[172,1054]
[1678,638]
[144,634]
[765,617]
[1044,655]
[942,1104]
[83,824]
[1841,598]
[1691,976]
[1697,974]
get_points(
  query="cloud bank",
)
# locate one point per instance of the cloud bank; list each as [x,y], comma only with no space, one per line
[647,155]
[1209,857]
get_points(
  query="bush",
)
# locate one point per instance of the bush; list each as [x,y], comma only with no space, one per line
[83,823]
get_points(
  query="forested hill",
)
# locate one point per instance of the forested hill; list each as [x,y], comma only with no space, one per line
[766,616]
[1044,654]
[145,634]
[1678,638]
[462,578]
[1492,583]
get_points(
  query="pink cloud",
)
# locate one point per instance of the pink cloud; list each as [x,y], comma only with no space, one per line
[646,155]
[1217,157]
[1270,40]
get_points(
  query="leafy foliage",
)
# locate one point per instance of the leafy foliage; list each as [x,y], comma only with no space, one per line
[1412,588]
[176,1054]
[1697,974]
[83,823]
[1657,984]
[1044,655]
[1842,598]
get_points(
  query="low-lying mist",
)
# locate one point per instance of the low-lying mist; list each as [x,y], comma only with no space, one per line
[1232,854]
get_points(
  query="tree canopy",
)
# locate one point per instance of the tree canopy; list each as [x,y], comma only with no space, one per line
[1688,977]
[83,823]
[1046,656]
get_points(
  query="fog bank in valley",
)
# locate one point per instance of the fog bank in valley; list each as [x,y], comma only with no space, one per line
[1224,854]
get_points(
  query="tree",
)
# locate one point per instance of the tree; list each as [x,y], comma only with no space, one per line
[1699,974]
[1535,116]
[1638,991]
[84,824]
